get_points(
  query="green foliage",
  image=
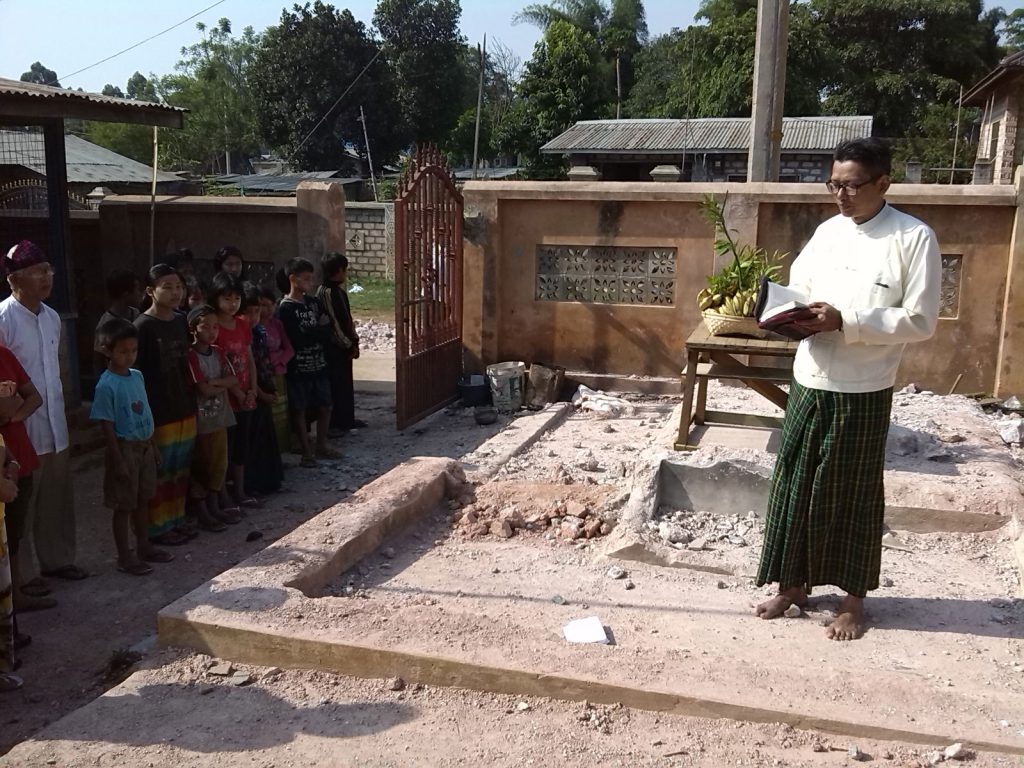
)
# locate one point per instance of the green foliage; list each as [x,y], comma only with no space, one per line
[303,67]
[561,85]
[376,300]
[427,55]
[894,58]
[134,141]
[142,89]
[501,68]
[41,75]
[213,82]
[620,31]
[707,70]
[749,263]
[1011,30]
[934,142]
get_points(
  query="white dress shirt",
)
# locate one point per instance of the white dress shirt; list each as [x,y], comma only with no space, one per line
[35,341]
[884,276]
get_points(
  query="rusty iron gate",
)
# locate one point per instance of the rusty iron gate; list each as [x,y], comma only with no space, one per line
[428,288]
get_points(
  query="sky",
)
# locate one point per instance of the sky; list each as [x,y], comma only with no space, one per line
[69,35]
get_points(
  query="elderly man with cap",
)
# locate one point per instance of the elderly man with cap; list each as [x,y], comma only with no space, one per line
[31,330]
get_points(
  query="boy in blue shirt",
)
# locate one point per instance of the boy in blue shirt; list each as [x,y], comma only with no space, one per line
[121,407]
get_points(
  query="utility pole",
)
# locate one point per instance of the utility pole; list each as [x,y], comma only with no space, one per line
[479,105]
[956,141]
[769,90]
[618,86]
[369,159]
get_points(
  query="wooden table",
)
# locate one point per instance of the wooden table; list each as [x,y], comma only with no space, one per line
[714,357]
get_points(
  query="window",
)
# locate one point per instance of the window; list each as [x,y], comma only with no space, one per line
[993,141]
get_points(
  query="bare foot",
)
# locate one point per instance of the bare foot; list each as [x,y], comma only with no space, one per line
[849,624]
[772,609]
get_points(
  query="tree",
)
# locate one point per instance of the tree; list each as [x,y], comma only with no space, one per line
[588,15]
[707,70]
[212,81]
[427,55]
[501,72]
[134,141]
[307,70]
[140,88]
[1011,29]
[40,75]
[934,141]
[894,58]
[620,30]
[558,88]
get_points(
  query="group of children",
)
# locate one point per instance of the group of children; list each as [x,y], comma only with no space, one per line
[202,389]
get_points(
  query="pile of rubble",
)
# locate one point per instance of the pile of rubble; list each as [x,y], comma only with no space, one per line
[569,520]
[375,335]
[1007,416]
[697,531]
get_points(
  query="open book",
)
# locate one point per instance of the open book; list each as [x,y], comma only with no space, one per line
[780,307]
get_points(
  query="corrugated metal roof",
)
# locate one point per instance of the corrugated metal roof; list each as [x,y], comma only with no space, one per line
[706,134]
[487,174]
[34,90]
[280,183]
[1009,67]
[87,163]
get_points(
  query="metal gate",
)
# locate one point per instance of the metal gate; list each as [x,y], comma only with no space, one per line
[428,288]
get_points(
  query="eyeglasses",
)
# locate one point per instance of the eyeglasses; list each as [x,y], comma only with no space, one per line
[851,189]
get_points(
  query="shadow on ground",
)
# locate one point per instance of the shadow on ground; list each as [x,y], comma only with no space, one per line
[221,718]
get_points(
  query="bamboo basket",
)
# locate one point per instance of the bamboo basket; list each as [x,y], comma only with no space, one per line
[733,325]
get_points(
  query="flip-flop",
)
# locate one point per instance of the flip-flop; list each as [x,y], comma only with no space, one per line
[136,569]
[308,462]
[156,556]
[68,573]
[249,502]
[36,588]
[9,682]
[212,525]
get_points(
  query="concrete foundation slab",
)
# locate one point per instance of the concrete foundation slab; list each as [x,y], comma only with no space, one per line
[481,615]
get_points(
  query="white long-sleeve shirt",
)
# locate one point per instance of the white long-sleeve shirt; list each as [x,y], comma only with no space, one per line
[35,341]
[884,276]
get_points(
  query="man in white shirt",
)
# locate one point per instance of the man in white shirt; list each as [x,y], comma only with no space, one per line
[873,276]
[31,330]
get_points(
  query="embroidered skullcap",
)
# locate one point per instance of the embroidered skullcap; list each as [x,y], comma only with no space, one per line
[24,254]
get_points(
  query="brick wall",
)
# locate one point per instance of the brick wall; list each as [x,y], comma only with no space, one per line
[369,245]
[806,167]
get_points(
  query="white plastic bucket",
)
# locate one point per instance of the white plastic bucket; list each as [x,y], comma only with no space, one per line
[506,380]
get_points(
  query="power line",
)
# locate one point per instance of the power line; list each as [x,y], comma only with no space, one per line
[142,42]
[335,104]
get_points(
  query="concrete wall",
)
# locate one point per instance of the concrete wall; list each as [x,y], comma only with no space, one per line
[369,245]
[268,230]
[507,318]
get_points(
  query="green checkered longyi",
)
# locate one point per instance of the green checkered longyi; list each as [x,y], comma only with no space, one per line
[827,503]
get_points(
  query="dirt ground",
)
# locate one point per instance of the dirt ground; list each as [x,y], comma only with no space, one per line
[177,714]
[78,648]
[300,715]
